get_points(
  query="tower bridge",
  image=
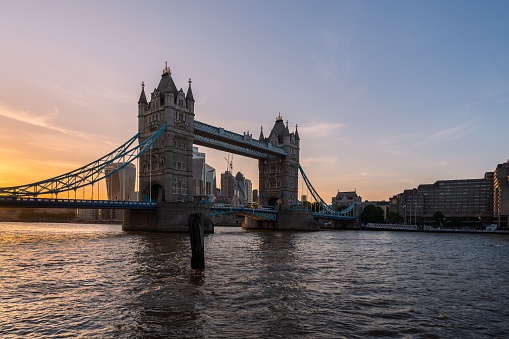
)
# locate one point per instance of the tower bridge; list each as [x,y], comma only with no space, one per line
[167,130]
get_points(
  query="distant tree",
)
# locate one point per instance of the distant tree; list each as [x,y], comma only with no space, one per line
[372,213]
[439,217]
[394,217]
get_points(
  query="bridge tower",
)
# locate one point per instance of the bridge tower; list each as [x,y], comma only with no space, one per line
[165,172]
[278,176]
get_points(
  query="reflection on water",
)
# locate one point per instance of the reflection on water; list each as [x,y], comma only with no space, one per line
[67,281]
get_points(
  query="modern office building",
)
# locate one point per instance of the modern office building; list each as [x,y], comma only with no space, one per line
[249,191]
[470,200]
[120,185]
[204,177]
[227,187]
[240,188]
[501,194]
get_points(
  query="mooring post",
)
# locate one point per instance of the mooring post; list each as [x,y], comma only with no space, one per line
[195,222]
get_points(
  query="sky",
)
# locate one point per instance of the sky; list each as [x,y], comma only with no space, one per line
[387,95]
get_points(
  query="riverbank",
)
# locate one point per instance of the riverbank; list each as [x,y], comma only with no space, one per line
[431,229]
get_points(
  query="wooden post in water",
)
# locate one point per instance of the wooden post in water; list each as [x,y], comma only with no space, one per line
[196,226]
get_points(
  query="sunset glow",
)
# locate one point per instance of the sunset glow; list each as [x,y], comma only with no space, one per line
[387,95]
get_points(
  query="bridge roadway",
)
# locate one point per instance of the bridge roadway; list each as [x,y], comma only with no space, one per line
[255,213]
[74,203]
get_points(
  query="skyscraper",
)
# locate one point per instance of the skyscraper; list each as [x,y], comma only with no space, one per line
[227,187]
[204,176]
[120,184]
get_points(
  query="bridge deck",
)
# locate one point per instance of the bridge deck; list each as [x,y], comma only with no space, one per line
[71,203]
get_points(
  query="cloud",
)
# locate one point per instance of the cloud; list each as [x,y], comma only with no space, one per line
[29,118]
[448,134]
[45,121]
[322,129]
[318,160]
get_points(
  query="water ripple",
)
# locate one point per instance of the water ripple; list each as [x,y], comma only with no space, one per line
[94,281]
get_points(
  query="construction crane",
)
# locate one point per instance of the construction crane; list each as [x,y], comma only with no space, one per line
[229,163]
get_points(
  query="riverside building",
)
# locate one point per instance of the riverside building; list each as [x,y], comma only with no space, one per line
[472,202]
[501,194]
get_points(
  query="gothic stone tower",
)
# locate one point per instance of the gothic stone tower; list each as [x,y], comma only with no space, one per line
[279,176]
[166,170]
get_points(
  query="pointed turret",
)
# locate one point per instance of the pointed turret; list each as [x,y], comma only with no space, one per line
[261,134]
[279,130]
[189,95]
[142,109]
[296,133]
[166,86]
[143,97]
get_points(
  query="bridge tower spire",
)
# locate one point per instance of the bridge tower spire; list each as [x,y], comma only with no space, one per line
[142,107]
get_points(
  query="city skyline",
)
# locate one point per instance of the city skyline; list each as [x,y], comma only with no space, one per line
[386,96]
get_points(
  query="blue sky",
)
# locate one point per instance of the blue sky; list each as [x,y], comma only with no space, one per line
[387,94]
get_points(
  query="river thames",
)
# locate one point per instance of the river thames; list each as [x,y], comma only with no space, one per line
[95,281]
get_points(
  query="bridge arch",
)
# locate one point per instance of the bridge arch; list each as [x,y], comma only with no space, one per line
[157,192]
[275,202]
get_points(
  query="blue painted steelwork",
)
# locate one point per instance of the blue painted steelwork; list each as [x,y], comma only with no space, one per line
[346,214]
[86,175]
[206,135]
[245,145]
[327,212]
[255,213]
[73,203]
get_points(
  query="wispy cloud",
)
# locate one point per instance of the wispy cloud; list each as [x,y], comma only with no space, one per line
[29,118]
[396,138]
[449,134]
[44,121]
[322,129]
[318,160]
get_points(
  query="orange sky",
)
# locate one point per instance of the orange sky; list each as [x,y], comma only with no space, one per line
[386,96]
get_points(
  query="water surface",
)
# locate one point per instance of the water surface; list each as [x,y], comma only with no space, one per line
[95,281]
